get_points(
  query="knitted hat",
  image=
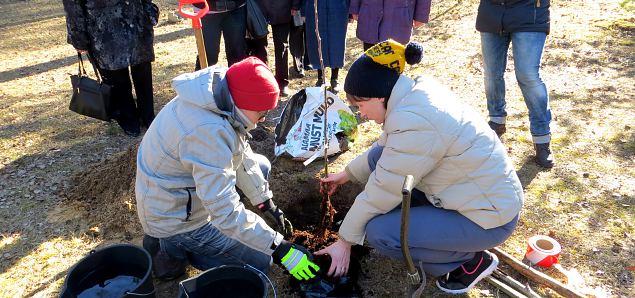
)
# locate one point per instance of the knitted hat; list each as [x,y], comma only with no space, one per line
[252,85]
[375,72]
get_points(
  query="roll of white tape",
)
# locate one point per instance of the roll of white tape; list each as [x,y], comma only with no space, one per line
[543,251]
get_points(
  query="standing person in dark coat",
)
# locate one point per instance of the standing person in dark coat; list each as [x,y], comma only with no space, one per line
[118,36]
[524,24]
[333,21]
[297,44]
[278,13]
[228,18]
[379,20]
[257,47]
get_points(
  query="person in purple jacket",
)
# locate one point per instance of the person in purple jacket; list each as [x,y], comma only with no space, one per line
[379,20]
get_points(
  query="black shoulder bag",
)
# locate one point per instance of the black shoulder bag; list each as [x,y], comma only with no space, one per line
[256,21]
[90,97]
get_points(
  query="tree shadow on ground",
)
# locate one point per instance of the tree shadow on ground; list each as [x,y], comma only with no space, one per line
[21,72]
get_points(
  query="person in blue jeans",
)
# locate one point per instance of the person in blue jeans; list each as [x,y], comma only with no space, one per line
[524,24]
[190,165]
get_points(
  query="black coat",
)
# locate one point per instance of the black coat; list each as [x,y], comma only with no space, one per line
[506,16]
[222,5]
[279,11]
[118,33]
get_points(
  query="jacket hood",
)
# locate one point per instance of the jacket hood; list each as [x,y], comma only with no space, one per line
[208,89]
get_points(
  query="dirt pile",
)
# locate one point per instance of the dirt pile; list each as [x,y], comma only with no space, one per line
[106,191]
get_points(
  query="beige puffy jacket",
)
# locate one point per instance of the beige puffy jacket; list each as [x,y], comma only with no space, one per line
[455,158]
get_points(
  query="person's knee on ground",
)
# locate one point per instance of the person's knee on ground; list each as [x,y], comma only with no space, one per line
[164,265]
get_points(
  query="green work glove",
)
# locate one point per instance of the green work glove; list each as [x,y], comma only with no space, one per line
[296,259]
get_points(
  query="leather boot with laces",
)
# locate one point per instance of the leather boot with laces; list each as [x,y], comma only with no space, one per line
[498,128]
[164,267]
[544,158]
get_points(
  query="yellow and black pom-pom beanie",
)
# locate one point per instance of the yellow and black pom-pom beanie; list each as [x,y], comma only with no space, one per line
[375,72]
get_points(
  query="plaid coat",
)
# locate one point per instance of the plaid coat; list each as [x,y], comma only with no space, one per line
[118,33]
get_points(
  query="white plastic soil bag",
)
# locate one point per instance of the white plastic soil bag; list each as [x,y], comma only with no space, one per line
[300,131]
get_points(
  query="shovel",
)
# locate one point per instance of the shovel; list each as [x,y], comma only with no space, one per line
[415,281]
[196,24]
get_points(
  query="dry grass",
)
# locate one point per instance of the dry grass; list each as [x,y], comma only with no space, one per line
[586,201]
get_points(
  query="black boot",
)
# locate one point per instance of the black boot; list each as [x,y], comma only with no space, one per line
[498,128]
[320,80]
[335,85]
[164,267]
[544,158]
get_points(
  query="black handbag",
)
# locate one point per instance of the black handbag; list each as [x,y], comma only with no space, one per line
[90,97]
[256,21]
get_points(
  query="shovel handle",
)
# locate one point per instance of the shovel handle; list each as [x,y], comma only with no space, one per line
[195,17]
[406,191]
[408,184]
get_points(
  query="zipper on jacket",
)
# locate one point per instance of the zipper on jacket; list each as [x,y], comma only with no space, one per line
[188,207]
[537,3]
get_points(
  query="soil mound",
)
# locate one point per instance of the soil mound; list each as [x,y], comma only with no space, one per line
[106,191]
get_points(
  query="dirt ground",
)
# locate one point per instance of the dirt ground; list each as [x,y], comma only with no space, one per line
[67,182]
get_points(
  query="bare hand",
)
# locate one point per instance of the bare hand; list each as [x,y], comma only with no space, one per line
[417,24]
[294,12]
[332,181]
[340,253]
[81,51]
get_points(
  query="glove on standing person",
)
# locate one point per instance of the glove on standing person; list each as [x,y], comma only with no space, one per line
[284,225]
[296,259]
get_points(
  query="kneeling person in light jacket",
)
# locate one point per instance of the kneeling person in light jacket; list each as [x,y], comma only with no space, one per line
[467,196]
[189,164]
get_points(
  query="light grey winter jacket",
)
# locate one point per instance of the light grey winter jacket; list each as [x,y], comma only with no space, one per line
[455,158]
[197,148]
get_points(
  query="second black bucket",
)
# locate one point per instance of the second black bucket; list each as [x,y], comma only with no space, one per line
[109,266]
[227,281]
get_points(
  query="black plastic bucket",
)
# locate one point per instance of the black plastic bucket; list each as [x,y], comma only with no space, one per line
[108,264]
[227,281]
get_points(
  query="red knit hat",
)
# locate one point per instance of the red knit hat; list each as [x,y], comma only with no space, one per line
[252,85]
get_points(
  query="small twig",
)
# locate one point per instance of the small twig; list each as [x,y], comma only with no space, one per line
[536,275]
[524,289]
[505,288]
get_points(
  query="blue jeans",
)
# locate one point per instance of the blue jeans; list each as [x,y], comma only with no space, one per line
[207,247]
[440,239]
[527,50]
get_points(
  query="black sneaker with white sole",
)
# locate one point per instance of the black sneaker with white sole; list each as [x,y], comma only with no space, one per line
[469,274]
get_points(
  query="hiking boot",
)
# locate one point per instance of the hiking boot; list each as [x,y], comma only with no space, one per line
[464,278]
[335,87]
[498,128]
[284,91]
[164,267]
[543,155]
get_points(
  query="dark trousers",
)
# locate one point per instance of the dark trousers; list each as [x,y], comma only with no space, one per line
[257,47]
[281,52]
[297,45]
[232,25]
[123,107]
